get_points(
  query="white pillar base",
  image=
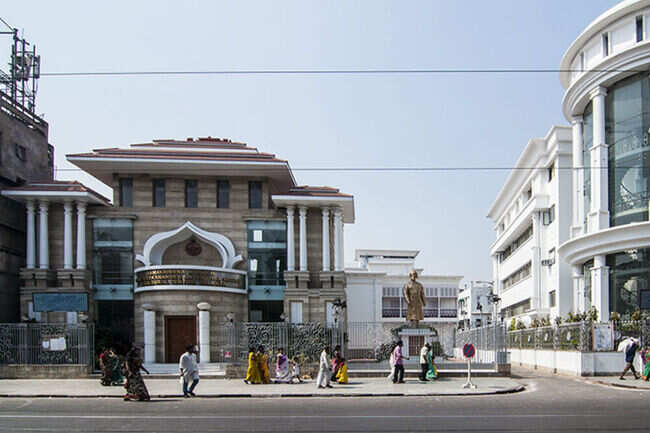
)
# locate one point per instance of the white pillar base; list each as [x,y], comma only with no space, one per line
[149,336]
[204,332]
[600,288]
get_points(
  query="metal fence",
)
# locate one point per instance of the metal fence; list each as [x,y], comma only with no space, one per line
[33,343]
[576,336]
[489,342]
[232,341]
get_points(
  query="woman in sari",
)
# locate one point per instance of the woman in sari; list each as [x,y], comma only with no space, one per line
[342,375]
[112,368]
[336,361]
[645,356]
[253,372]
[135,387]
[282,372]
[263,365]
[432,373]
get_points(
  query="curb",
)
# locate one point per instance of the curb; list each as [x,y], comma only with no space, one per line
[618,385]
[210,396]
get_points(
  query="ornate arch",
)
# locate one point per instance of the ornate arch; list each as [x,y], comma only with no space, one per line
[157,244]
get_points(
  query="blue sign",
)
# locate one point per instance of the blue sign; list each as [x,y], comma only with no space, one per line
[44,302]
[469,351]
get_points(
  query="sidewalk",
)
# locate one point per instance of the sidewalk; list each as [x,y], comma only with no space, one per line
[215,388]
[629,382]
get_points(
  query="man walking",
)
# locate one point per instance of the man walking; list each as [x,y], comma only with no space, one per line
[189,370]
[424,363]
[323,380]
[399,363]
[630,352]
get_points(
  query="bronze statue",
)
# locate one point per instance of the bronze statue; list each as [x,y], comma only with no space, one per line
[413,293]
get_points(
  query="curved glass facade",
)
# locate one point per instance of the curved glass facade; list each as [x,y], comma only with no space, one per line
[629,275]
[627,122]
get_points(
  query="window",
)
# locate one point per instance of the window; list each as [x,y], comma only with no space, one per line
[548,216]
[254,194]
[126,192]
[223,194]
[296,312]
[639,28]
[528,194]
[158,192]
[605,44]
[113,258]
[267,255]
[514,246]
[582,62]
[551,298]
[21,152]
[191,193]
[517,276]
[551,169]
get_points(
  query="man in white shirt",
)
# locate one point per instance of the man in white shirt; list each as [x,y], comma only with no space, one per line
[189,370]
[323,380]
[424,362]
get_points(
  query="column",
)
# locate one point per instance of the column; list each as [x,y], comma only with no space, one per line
[578,178]
[578,290]
[43,244]
[326,239]
[67,236]
[291,246]
[31,234]
[204,332]
[536,262]
[81,235]
[600,287]
[338,223]
[303,238]
[599,213]
[149,334]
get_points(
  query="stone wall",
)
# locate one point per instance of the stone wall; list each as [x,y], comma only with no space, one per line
[48,371]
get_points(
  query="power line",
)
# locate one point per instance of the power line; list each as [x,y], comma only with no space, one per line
[331,72]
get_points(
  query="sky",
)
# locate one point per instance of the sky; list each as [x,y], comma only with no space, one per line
[332,121]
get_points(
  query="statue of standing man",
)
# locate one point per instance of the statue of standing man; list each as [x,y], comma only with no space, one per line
[413,293]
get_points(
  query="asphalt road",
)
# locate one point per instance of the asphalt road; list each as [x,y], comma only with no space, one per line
[549,405]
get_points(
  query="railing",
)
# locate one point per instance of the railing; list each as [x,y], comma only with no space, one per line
[15,109]
[266,278]
[490,343]
[32,343]
[568,336]
[429,313]
[167,275]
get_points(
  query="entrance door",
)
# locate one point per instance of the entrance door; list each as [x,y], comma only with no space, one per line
[415,344]
[179,332]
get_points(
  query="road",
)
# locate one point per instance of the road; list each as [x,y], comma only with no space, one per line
[550,404]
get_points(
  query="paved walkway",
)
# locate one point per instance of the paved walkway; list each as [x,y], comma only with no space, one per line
[161,388]
[629,382]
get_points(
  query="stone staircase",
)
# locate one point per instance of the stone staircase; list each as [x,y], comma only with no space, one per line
[207,371]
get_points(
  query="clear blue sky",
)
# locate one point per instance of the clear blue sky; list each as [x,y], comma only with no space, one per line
[328,121]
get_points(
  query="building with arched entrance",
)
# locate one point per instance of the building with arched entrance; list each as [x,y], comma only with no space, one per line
[199,233]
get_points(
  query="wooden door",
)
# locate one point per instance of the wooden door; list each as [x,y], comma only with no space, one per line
[415,344]
[179,332]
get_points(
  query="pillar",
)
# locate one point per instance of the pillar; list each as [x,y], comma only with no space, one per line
[338,223]
[579,305]
[578,178]
[81,235]
[31,234]
[204,332]
[600,287]
[43,243]
[67,236]
[326,239]
[291,246]
[302,210]
[599,213]
[149,334]
[536,265]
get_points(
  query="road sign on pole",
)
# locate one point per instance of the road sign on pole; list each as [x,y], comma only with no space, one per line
[468,352]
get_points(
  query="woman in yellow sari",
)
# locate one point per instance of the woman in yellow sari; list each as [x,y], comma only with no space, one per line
[342,373]
[253,372]
[263,362]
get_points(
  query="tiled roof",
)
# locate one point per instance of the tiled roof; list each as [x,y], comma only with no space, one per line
[316,191]
[58,186]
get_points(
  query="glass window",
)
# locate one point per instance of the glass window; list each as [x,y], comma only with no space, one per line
[605,44]
[639,28]
[626,122]
[255,194]
[113,258]
[112,232]
[582,62]
[629,275]
[551,298]
[267,253]
[223,194]
[551,169]
[158,192]
[191,193]
[126,192]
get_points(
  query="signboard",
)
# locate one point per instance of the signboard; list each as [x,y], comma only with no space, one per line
[45,302]
[603,337]
[469,351]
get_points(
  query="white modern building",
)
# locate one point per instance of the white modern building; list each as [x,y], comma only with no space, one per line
[532,216]
[607,100]
[374,294]
[474,306]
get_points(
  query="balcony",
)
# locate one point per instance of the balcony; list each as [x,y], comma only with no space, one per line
[187,277]
[429,313]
